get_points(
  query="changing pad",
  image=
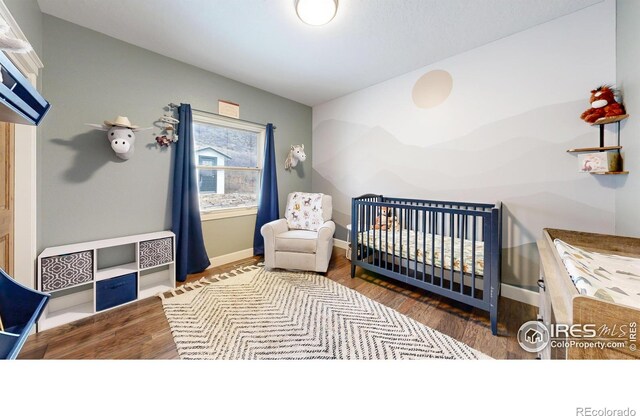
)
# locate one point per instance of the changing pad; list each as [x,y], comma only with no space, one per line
[609,277]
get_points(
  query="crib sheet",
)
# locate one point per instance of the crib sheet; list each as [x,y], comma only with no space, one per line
[415,244]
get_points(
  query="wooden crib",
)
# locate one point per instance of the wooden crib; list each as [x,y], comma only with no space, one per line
[452,249]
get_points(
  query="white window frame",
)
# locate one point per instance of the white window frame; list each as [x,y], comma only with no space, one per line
[207,118]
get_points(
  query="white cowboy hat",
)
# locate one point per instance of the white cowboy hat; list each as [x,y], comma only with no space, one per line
[120,121]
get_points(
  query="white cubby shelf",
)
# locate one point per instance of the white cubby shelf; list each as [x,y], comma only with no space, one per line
[80,289]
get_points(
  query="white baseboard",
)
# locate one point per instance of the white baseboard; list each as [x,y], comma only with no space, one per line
[231,257]
[340,243]
[508,291]
[521,295]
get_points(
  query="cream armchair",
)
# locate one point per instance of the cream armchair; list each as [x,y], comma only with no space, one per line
[299,249]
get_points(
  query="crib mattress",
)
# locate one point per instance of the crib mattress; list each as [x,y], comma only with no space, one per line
[605,276]
[413,243]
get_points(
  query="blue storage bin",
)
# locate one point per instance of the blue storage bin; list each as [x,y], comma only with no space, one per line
[116,291]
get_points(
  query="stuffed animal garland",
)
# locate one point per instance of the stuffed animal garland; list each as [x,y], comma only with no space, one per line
[603,104]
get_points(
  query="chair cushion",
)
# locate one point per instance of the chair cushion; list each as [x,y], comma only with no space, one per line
[298,241]
[305,211]
[327,207]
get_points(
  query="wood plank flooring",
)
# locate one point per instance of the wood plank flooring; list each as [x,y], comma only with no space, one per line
[141,331]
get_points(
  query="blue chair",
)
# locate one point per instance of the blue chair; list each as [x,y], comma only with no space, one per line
[20,309]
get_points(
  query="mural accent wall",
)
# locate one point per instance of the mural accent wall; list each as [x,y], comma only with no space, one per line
[500,133]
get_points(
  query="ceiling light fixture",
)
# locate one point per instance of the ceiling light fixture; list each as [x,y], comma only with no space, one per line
[316,12]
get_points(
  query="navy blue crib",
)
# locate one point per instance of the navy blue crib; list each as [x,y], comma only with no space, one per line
[452,249]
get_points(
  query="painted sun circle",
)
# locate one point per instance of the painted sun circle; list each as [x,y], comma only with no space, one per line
[432,89]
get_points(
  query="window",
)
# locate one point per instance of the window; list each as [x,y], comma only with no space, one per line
[207,178]
[229,163]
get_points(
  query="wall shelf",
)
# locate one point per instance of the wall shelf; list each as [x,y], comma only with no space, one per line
[110,272]
[609,120]
[63,316]
[615,163]
[81,289]
[624,172]
[148,290]
[594,149]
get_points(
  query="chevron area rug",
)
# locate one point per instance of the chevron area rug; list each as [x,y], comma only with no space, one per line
[253,313]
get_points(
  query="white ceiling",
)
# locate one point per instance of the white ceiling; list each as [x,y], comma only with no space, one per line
[262,43]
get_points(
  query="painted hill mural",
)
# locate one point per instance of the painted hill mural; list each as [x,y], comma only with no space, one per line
[521,161]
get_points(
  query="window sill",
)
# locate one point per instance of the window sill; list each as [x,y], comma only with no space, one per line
[228,213]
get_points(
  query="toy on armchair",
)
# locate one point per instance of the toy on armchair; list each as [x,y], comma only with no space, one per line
[603,104]
[386,220]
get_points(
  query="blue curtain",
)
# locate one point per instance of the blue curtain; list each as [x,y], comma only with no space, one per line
[191,256]
[268,209]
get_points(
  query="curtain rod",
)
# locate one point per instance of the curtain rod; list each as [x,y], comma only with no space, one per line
[173,105]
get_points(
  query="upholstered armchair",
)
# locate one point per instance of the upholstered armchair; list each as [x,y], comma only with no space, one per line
[288,246]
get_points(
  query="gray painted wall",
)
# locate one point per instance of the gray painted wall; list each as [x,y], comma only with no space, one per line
[628,79]
[84,191]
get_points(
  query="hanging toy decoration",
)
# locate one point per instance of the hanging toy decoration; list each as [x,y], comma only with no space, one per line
[163,141]
[168,134]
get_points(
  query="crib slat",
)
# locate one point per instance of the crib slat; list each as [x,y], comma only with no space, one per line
[404,246]
[400,255]
[473,258]
[373,234]
[360,229]
[368,217]
[409,217]
[409,228]
[386,247]
[415,244]
[375,213]
[393,245]
[466,220]
[371,219]
[408,223]
[424,245]
[442,251]
[488,251]
[462,255]
[452,236]
[433,219]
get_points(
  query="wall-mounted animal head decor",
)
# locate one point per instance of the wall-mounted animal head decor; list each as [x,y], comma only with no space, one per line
[296,154]
[121,135]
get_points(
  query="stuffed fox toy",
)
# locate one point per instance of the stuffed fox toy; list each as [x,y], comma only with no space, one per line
[603,104]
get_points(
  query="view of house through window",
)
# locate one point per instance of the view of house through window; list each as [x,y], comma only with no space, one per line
[228,157]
